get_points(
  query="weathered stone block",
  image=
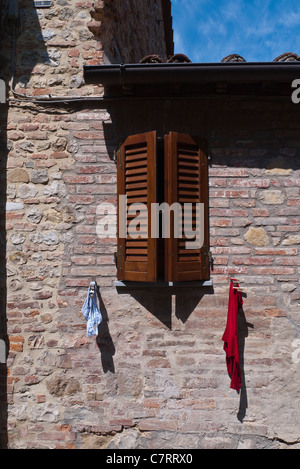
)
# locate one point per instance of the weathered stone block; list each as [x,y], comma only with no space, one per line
[272,197]
[18,175]
[257,237]
[39,176]
[27,191]
[63,386]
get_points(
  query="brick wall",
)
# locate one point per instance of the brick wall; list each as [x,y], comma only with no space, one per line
[155,376]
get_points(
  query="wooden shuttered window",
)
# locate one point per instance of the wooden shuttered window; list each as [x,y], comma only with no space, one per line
[175,173]
[137,180]
[186,182]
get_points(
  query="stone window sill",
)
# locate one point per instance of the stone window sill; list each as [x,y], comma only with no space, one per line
[148,285]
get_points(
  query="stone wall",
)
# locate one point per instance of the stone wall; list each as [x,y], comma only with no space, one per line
[53,44]
[155,375]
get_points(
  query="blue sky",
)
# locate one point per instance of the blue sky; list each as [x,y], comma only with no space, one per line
[258,30]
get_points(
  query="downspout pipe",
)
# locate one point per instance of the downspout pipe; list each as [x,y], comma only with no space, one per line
[244,72]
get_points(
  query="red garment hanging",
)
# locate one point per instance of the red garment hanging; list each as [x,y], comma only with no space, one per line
[230,337]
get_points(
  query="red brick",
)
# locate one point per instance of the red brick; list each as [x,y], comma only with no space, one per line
[16,135]
[121,423]
[81,199]
[73,53]
[105,260]
[253,260]
[16,339]
[228,172]
[90,169]
[231,194]
[291,182]
[220,222]
[40,398]
[228,213]
[82,135]
[293,202]
[39,156]
[88,239]
[16,347]
[260,212]
[28,127]
[288,260]
[272,270]
[230,270]
[37,135]
[30,380]
[77,282]
[59,155]
[250,182]
[83,260]
[232,250]
[78,179]
[86,158]
[276,251]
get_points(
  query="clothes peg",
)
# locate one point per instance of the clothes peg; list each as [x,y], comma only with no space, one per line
[93,286]
[235,284]
[234,280]
[91,311]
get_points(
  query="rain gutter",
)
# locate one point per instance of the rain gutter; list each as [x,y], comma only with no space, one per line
[191,73]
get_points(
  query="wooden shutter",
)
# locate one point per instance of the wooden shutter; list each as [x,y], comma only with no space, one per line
[136,173]
[186,181]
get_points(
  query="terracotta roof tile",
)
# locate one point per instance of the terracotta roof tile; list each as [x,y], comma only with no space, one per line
[182,58]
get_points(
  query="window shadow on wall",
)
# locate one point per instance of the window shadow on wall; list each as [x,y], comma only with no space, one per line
[163,302]
[243,326]
[22,48]
[104,340]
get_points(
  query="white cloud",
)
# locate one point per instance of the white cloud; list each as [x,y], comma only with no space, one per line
[179,42]
[290,19]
